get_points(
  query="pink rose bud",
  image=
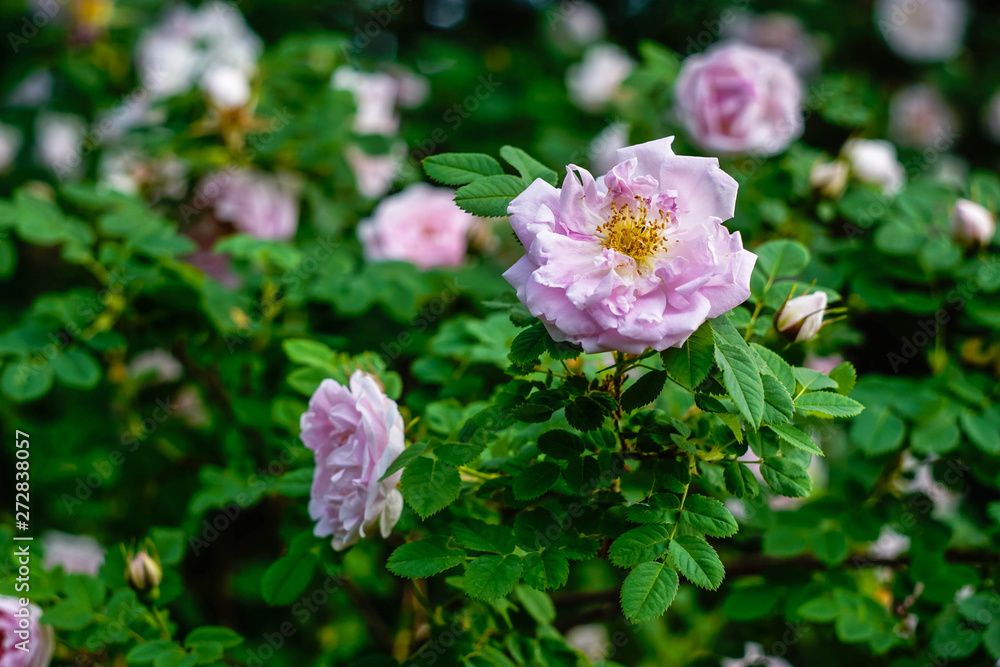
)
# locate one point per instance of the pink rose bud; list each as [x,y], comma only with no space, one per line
[143,572]
[23,641]
[800,318]
[972,224]
[874,161]
[830,178]
[421,225]
[636,259]
[735,98]
[355,432]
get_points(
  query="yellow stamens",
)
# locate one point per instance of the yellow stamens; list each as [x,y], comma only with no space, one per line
[631,232]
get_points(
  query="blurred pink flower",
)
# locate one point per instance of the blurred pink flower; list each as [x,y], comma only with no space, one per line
[20,624]
[972,223]
[421,225]
[355,432]
[374,174]
[637,259]
[781,33]
[823,364]
[603,149]
[596,80]
[919,117]
[262,205]
[75,553]
[374,95]
[735,98]
[923,30]
[157,365]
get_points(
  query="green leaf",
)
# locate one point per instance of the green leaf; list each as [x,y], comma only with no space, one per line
[643,391]
[742,380]
[689,365]
[478,535]
[492,577]
[560,444]
[829,404]
[813,380]
[786,477]
[661,508]
[546,570]
[536,480]
[538,604]
[458,453]
[68,615]
[286,578]
[429,485]
[585,414]
[845,376]
[170,544]
[309,353]
[408,454]
[213,633]
[796,438]
[24,381]
[878,431]
[528,345]
[149,651]
[778,407]
[648,590]
[697,561]
[527,166]
[639,545]
[939,435]
[489,197]
[740,480]
[461,168]
[709,516]
[425,558]
[76,368]
[776,365]
[782,258]
[981,432]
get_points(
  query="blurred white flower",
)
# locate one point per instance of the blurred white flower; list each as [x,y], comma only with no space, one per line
[58,143]
[10,145]
[919,117]
[754,656]
[923,30]
[575,25]
[34,91]
[226,86]
[603,149]
[874,161]
[75,553]
[592,640]
[157,365]
[374,95]
[594,81]
[972,223]
[830,178]
[889,544]
[129,171]
[412,89]
[944,500]
[781,33]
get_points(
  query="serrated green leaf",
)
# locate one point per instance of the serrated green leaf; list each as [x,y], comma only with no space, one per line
[742,380]
[648,590]
[401,461]
[425,558]
[708,515]
[776,365]
[796,438]
[639,545]
[786,477]
[813,380]
[845,376]
[643,391]
[697,561]
[778,407]
[661,508]
[782,258]
[585,414]
[430,485]
[689,365]
[740,480]
[546,570]
[560,444]
[528,345]
[492,577]
[527,166]
[828,403]
[536,480]
[478,535]
[461,168]
[489,197]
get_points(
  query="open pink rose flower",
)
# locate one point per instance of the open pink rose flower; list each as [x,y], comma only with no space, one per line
[735,98]
[19,628]
[636,259]
[355,432]
[421,225]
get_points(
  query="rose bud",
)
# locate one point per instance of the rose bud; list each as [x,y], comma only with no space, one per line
[800,318]
[972,224]
[143,572]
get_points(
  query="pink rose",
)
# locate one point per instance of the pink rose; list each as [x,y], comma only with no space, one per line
[781,33]
[19,627]
[637,259]
[919,117]
[735,98]
[421,225]
[923,31]
[374,174]
[75,553]
[375,97]
[261,205]
[356,432]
